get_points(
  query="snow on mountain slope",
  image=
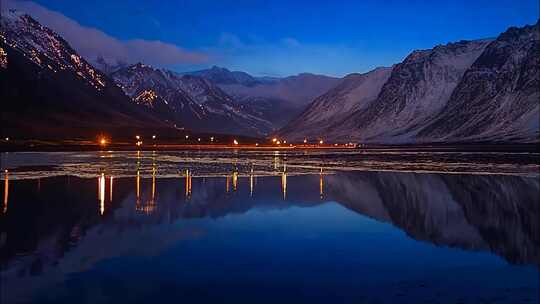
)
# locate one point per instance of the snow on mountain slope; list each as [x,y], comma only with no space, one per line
[292,93]
[48,90]
[354,93]
[222,76]
[498,98]
[189,101]
[417,90]
[25,34]
[413,93]
[107,66]
[297,90]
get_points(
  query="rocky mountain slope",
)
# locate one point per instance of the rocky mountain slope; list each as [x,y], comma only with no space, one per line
[48,90]
[222,76]
[483,90]
[417,89]
[277,99]
[353,94]
[189,101]
[498,98]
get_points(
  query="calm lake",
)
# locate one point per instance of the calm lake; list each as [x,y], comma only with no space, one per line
[270,227]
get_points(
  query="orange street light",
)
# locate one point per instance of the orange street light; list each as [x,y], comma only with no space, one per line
[274,139]
[321,142]
[153,137]
[305,140]
[235,142]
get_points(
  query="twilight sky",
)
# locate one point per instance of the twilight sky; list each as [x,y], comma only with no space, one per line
[274,38]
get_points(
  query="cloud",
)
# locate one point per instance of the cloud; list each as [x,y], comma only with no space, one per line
[91,42]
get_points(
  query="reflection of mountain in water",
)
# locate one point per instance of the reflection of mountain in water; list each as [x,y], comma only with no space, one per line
[495,213]
[58,225]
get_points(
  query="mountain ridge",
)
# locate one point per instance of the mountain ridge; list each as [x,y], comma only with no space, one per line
[188,100]
[424,98]
[48,90]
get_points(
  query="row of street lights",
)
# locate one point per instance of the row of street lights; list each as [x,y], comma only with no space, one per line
[103,141]
[279,142]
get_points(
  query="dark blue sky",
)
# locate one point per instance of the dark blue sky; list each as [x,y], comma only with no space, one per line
[288,37]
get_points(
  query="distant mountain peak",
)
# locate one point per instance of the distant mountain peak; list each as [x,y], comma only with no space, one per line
[218,68]
[223,76]
[189,100]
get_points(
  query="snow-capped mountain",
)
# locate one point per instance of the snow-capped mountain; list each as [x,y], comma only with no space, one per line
[417,90]
[298,90]
[222,76]
[44,47]
[47,89]
[277,99]
[498,98]
[353,94]
[483,90]
[108,66]
[189,101]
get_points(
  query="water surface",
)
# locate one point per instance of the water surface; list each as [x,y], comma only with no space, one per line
[114,227]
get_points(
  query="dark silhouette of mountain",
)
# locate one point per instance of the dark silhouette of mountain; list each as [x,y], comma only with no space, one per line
[49,91]
[472,212]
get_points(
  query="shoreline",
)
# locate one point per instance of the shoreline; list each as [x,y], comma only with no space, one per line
[83,147]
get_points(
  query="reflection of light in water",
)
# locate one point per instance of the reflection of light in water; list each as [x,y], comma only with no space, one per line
[321,184]
[190,179]
[276,159]
[111,190]
[284,184]
[6,191]
[138,184]
[149,206]
[235,180]
[153,183]
[101,193]
[251,183]
[188,183]
[227,182]
[39,184]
